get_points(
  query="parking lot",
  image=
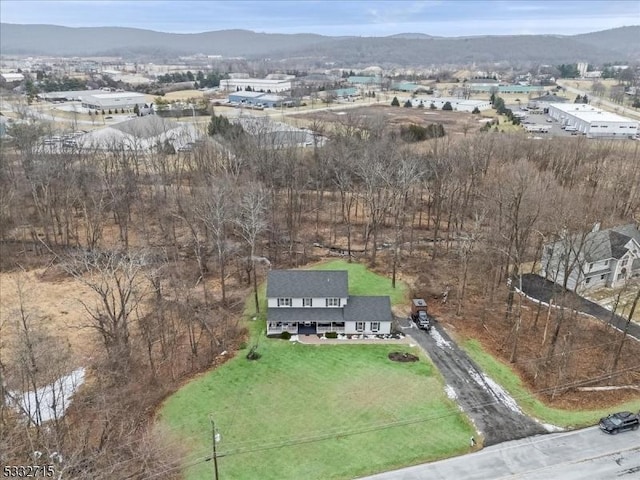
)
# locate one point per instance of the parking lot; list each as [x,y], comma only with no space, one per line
[543,120]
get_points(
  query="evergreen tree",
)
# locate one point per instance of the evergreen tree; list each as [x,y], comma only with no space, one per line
[395,102]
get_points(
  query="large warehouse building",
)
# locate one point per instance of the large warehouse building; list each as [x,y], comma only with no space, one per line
[110,101]
[592,121]
[457,104]
[264,85]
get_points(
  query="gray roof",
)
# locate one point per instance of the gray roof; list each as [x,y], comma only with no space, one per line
[609,243]
[305,315]
[146,127]
[307,283]
[549,98]
[369,309]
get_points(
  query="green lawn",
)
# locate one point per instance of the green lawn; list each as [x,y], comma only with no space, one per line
[365,282]
[317,412]
[502,373]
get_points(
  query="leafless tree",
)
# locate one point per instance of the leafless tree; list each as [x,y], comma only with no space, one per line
[251,223]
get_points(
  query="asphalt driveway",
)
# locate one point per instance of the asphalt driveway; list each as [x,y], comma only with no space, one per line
[545,290]
[494,412]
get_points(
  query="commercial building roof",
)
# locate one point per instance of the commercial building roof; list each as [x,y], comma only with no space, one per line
[589,113]
[244,94]
[115,96]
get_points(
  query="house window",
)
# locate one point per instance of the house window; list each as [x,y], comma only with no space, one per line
[284,302]
[624,261]
[606,263]
[307,302]
[587,280]
[375,326]
[590,266]
[359,326]
[333,302]
[602,277]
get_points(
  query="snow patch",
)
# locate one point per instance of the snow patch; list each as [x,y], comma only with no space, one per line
[293,338]
[52,400]
[440,341]
[496,390]
[451,393]
[552,428]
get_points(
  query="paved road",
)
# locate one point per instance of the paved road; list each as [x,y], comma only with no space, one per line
[544,290]
[495,414]
[586,454]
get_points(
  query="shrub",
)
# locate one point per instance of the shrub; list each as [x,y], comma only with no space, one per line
[447,106]
[433,107]
[408,104]
[253,353]
[417,133]
[395,102]
[331,335]
[285,335]
[475,111]
[242,346]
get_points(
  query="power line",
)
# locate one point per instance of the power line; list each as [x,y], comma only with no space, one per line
[374,427]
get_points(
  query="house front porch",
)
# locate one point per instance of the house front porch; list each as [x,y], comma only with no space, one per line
[304,328]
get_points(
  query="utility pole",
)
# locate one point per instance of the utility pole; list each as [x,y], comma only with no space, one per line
[214,438]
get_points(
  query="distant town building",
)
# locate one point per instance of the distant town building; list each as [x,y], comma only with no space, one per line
[12,77]
[112,100]
[258,99]
[582,68]
[543,101]
[458,104]
[264,85]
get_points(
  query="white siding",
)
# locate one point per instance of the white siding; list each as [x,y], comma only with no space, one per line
[350,328]
[297,303]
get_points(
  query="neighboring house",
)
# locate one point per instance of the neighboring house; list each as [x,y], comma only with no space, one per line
[316,301]
[600,258]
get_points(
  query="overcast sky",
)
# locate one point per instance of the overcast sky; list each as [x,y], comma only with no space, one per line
[335,17]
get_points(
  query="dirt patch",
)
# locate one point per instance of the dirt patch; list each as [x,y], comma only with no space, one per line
[403,357]
[455,123]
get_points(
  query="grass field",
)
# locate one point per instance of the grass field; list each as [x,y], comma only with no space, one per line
[503,374]
[317,412]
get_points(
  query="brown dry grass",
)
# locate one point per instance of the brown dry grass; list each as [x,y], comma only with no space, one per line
[51,298]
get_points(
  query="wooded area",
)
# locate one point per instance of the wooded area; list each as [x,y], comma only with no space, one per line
[170,245]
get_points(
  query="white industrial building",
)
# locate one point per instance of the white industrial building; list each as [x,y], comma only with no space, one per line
[12,77]
[264,85]
[112,100]
[457,104]
[141,134]
[593,122]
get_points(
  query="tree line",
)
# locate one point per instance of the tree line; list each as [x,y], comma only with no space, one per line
[169,244]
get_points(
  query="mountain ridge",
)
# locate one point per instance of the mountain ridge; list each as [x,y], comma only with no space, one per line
[399,49]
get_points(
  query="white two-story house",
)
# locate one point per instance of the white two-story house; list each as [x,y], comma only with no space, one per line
[600,258]
[317,301]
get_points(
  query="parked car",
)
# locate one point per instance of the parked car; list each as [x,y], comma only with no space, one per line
[619,422]
[419,314]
